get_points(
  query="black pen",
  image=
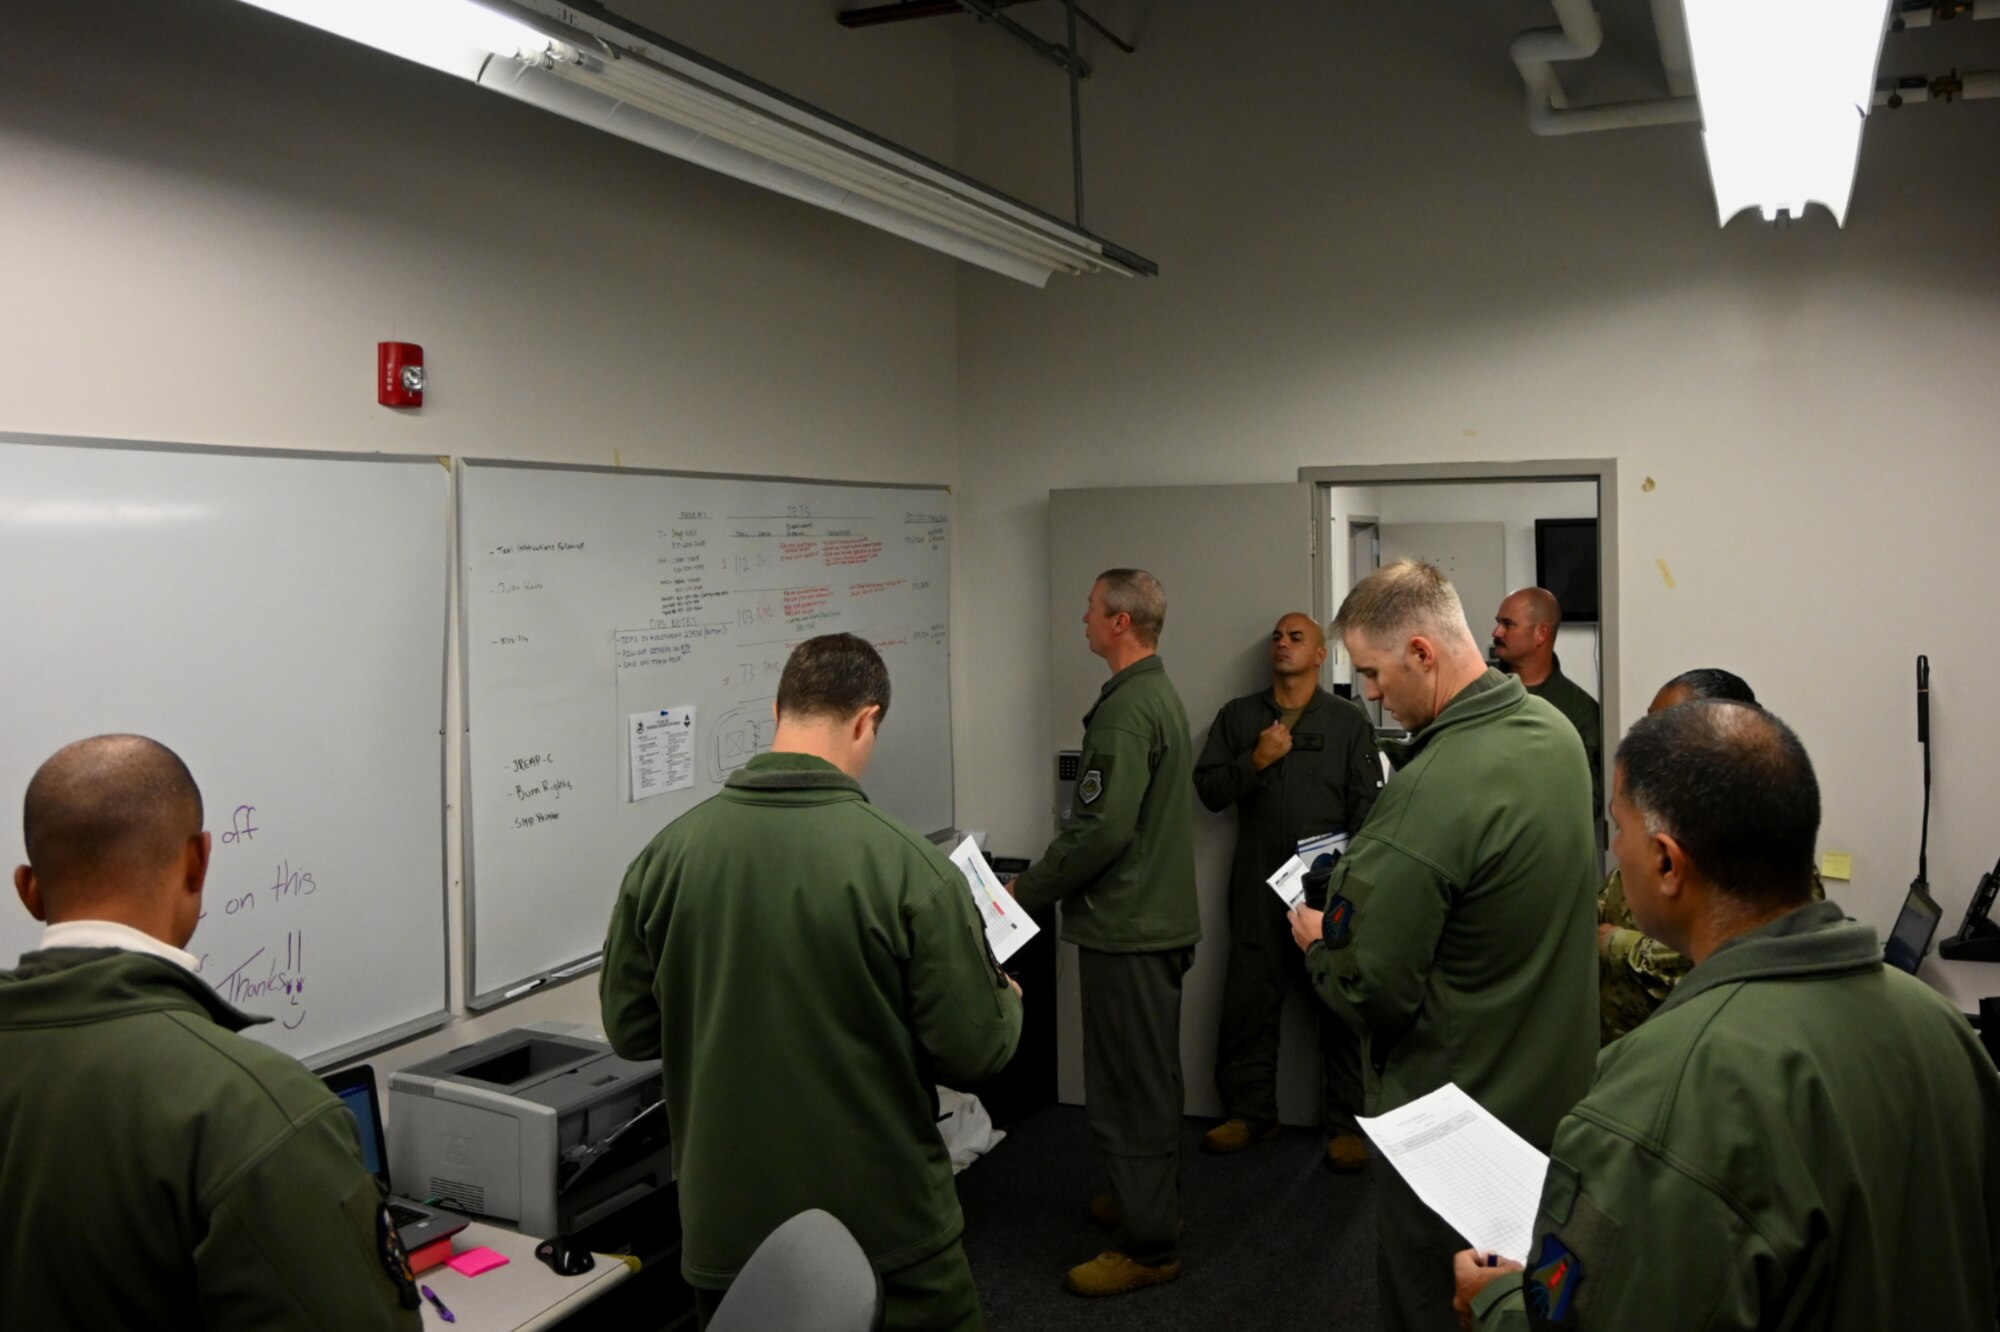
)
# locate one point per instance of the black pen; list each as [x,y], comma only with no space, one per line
[438,1304]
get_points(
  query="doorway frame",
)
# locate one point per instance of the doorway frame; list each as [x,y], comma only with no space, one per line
[1601,471]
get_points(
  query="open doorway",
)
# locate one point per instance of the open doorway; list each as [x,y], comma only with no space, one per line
[1492,528]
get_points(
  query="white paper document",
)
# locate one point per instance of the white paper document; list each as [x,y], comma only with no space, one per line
[662,745]
[1008,924]
[1288,881]
[1483,1178]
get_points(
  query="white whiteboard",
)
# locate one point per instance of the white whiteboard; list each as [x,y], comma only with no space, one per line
[278,620]
[590,595]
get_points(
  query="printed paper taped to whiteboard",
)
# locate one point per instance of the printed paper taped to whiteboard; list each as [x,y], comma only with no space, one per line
[1008,925]
[662,752]
[1483,1178]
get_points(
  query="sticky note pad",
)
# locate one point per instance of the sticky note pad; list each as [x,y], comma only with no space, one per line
[1836,865]
[474,1261]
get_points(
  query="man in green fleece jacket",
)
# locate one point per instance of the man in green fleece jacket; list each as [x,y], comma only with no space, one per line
[808,969]
[159,1169]
[1460,930]
[1123,870]
[1799,1137]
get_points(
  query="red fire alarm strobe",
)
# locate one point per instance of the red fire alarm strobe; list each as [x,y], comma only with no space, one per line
[400,382]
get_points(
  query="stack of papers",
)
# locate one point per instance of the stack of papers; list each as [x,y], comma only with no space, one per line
[1480,1176]
[1325,844]
[1008,924]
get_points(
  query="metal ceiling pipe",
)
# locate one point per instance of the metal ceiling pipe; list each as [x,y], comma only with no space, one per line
[1926,12]
[1535,53]
[1970,86]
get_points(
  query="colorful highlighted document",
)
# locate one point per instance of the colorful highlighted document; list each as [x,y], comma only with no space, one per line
[1008,925]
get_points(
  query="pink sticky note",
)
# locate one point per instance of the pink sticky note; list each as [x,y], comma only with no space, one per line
[474,1261]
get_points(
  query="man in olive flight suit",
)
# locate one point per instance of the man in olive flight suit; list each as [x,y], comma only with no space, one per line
[1524,643]
[1124,872]
[1459,928]
[1295,762]
[1800,1137]
[808,969]
[159,1169]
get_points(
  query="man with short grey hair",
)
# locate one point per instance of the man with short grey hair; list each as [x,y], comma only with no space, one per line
[1123,869]
[1136,593]
[1460,929]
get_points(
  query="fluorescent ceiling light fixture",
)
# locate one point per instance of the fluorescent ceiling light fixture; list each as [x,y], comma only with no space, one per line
[650,91]
[453,36]
[1785,86]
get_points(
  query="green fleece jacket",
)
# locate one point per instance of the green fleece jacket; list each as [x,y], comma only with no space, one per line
[1468,950]
[1123,867]
[808,969]
[1800,1138]
[161,1171]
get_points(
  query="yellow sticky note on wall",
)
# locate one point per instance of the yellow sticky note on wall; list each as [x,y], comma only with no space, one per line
[1836,865]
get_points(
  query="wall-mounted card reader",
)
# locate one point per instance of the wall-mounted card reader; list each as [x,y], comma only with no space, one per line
[1067,763]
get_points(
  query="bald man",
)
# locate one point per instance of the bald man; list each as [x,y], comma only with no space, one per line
[159,1169]
[1524,643]
[1295,763]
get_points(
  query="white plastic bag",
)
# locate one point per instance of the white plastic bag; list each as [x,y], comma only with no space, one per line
[965,1126]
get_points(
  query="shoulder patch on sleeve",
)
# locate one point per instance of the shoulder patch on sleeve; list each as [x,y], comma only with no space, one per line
[1337,926]
[1552,1281]
[1090,786]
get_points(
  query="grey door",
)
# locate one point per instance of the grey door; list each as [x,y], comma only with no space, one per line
[1232,560]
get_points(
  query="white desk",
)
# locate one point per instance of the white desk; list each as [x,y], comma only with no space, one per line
[522,1295]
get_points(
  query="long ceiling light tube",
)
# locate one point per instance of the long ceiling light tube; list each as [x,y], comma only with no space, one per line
[717,118]
[641,88]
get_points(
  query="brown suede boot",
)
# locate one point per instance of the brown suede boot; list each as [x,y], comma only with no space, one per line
[1233,1135]
[1346,1153]
[1115,1274]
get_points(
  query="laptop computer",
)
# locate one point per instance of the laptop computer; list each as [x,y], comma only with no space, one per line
[416,1224]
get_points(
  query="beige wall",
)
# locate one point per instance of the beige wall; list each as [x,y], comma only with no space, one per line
[1367,261]
[212,215]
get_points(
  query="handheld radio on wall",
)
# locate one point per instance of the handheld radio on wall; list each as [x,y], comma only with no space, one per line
[1911,937]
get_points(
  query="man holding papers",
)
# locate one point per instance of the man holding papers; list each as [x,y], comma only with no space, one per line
[1460,931]
[1297,764]
[1799,1137]
[808,969]
[1123,868]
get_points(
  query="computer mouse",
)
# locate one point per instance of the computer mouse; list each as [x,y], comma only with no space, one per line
[564,1259]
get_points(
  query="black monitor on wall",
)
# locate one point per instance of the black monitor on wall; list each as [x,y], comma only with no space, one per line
[1566,564]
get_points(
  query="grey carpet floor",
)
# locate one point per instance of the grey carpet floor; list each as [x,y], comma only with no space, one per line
[1273,1240]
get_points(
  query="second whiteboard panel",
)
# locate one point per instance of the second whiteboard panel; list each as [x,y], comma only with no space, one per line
[624,634]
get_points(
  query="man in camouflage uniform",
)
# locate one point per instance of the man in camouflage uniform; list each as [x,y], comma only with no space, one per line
[1636,971]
